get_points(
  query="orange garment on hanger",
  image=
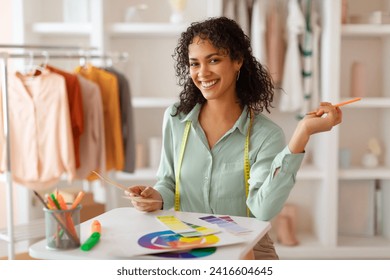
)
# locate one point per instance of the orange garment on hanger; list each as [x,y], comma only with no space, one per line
[75,108]
[109,90]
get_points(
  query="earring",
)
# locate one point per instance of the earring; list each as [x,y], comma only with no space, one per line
[238,75]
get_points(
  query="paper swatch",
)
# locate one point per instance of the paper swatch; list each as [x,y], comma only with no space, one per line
[185,229]
[227,223]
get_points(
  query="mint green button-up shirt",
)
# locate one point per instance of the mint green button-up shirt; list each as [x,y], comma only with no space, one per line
[212,180]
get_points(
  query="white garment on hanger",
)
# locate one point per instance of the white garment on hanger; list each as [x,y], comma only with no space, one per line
[292,98]
[310,56]
[306,47]
[258,30]
[316,29]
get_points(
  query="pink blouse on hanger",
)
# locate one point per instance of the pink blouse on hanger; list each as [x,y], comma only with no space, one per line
[40,130]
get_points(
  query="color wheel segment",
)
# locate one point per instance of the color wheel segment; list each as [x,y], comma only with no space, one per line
[170,240]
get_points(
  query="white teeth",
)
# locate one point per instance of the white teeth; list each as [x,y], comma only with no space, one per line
[208,84]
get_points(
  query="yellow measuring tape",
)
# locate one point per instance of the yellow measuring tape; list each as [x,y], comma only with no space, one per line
[181,155]
[247,165]
[183,147]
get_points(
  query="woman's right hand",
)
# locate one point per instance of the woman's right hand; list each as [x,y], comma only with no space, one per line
[150,199]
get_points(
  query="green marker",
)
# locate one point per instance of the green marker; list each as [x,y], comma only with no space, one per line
[55,201]
[91,241]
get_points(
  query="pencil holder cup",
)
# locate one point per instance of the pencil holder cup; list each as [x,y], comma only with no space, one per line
[62,228]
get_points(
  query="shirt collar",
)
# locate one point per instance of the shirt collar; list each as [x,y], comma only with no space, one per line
[243,121]
[241,124]
[193,115]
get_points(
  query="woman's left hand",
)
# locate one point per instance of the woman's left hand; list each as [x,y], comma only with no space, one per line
[326,117]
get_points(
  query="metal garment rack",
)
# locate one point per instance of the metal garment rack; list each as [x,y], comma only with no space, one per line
[73,52]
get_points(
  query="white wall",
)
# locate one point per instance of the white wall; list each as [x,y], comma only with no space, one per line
[5,38]
[5,21]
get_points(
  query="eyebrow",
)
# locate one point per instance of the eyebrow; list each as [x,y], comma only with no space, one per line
[208,56]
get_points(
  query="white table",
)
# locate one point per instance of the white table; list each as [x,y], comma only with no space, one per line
[121,227]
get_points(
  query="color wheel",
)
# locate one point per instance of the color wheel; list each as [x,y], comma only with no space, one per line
[162,240]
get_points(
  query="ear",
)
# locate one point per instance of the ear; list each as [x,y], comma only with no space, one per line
[238,63]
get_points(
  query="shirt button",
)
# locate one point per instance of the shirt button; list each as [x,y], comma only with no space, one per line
[206,178]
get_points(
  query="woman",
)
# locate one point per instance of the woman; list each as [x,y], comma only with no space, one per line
[217,124]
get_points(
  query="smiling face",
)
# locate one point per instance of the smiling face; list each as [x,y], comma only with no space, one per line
[212,70]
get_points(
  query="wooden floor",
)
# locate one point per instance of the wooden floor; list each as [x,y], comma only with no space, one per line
[21,256]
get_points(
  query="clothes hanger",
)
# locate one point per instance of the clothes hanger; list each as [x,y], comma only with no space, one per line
[46,60]
[33,70]
[108,61]
[85,61]
[30,69]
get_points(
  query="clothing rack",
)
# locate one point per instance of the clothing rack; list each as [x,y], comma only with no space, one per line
[46,47]
[72,52]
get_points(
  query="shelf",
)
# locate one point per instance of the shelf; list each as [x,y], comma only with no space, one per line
[332,253]
[145,174]
[32,230]
[309,172]
[158,29]
[60,28]
[308,246]
[164,102]
[382,173]
[364,242]
[365,30]
[369,102]
[348,248]
[152,102]
[305,173]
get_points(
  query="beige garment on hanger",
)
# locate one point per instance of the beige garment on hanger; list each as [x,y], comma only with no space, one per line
[243,16]
[92,141]
[276,46]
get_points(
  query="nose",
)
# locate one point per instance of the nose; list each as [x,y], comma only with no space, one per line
[204,71]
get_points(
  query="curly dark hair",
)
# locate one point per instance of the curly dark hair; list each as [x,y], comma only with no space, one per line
[255,87]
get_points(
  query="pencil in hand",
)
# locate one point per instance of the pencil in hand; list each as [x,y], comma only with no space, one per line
[119,186]
[339,104]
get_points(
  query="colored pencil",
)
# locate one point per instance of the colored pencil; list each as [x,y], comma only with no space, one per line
[74,238]
[111,182]
[78,199]
[339,104]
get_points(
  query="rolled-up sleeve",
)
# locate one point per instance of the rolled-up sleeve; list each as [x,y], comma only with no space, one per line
[267,196]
